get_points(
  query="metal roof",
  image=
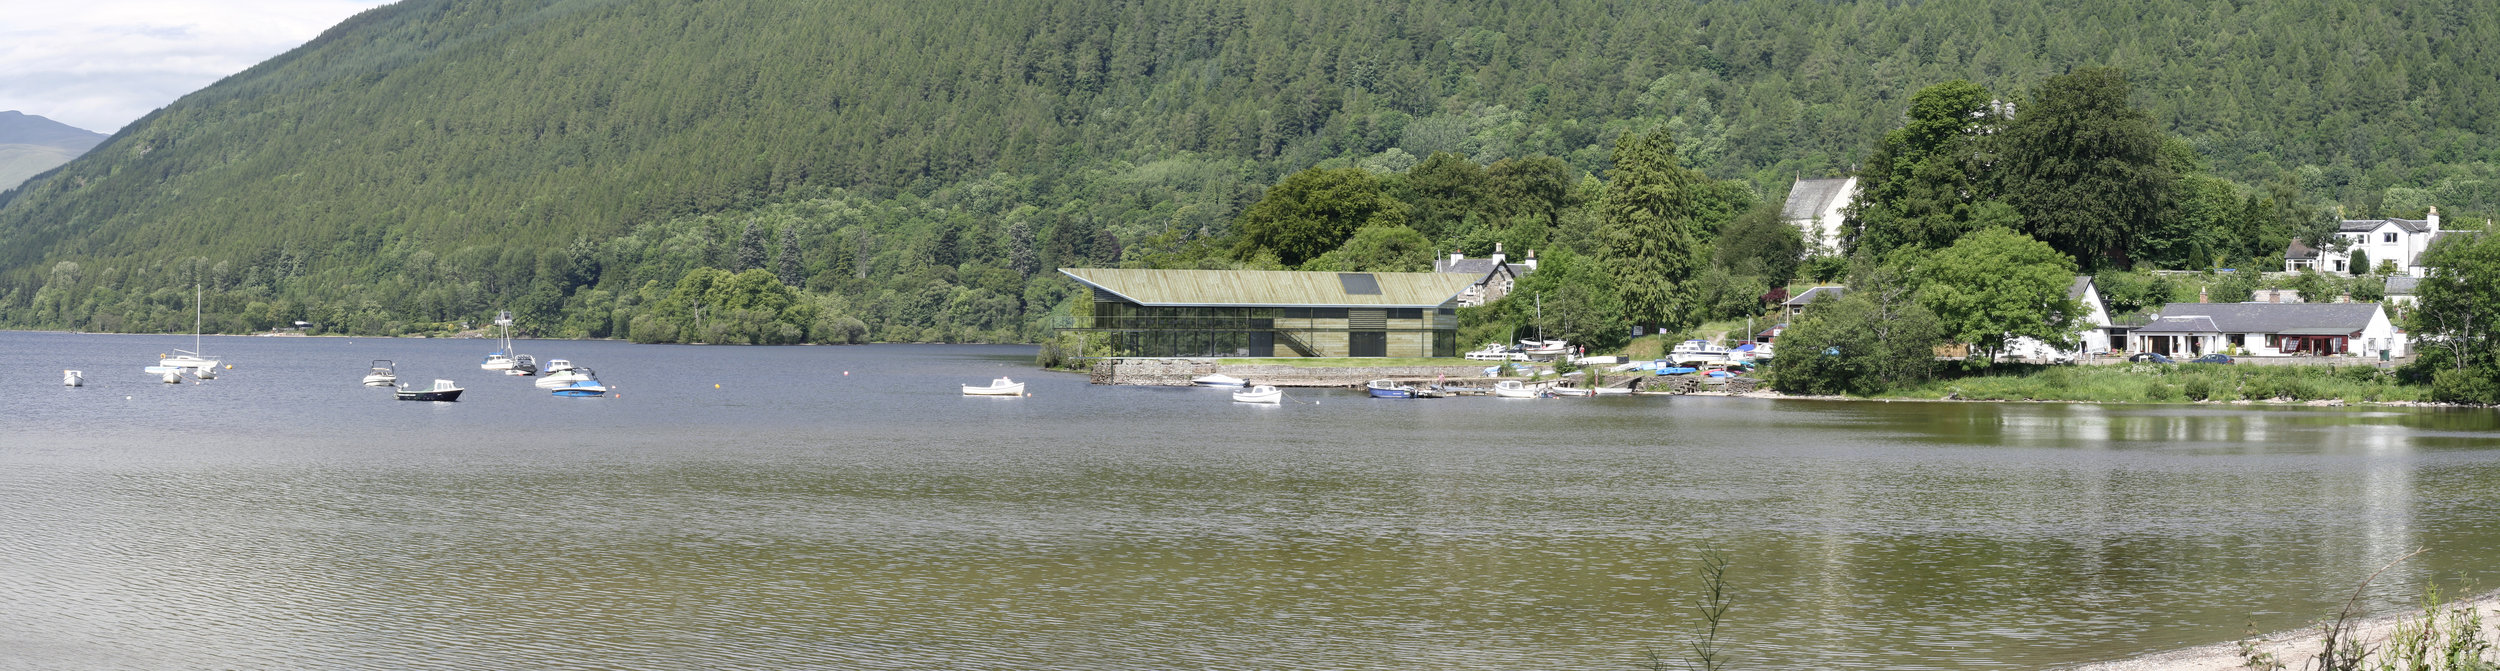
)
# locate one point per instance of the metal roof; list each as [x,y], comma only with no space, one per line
[1281,288]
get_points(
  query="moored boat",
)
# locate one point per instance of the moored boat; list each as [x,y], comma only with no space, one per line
[523,365]
[384,374]
[1219,380]
[999,387]
[1259,394]
[1388,389]
[554,378]
[588,386]
[1516,389]
[73,378]
[443,390]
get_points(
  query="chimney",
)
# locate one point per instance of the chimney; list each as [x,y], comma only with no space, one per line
[2434,220]
[1456,256]
[1531,260]
[1497,254]
[2200,294]
[2345,297]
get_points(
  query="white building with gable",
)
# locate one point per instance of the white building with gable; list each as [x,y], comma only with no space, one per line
[1815,206]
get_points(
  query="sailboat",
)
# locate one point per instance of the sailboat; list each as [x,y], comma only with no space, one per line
[188,361]
[502,359]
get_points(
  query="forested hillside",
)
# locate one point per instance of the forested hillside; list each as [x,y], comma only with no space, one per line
[913,170]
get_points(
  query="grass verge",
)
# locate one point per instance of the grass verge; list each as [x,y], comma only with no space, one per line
[2172,383]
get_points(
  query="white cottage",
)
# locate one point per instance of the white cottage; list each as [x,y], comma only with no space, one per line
[1816,207]
[2093,338]
[2382,240]
[2269,329]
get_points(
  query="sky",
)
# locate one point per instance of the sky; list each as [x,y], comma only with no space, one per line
[101,64]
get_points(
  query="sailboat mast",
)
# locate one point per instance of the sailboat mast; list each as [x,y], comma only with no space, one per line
[196,296]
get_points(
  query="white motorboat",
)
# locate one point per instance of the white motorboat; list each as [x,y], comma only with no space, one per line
[999,387]
[1219,380]
[384,374]
[1570,391]
[555,366]
[1544,347]
[73,378]
[555,379]
[172,376]
[1260,394]
[1614,391]
[1517,389]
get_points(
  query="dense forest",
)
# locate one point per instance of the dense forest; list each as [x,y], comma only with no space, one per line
[779,171]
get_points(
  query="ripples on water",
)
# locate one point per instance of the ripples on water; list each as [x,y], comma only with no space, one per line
[283,517]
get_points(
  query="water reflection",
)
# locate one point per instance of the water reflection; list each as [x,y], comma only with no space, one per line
[799,518]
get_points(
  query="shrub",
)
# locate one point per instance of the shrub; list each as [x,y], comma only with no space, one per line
[2199,388]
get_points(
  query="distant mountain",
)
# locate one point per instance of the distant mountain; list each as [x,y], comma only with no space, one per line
[31,144]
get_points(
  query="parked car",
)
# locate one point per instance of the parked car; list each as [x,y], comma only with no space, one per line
[2150,357]
[2212,358]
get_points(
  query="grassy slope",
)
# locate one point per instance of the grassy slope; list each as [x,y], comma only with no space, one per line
[20,161]
[2181,383]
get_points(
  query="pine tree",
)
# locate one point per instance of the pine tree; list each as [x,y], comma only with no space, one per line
[1652,232]
[786,262]
[1020,253]
[750,248]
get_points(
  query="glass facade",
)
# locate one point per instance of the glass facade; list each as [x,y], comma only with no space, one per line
[1130,329]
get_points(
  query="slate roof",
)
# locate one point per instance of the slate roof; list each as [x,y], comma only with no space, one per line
[2367,225]
[1809,197]
[2075,292]
[1809,295]
[1284,288]
[1483,266]
[2299,251]
[2290,318]
[2403,285]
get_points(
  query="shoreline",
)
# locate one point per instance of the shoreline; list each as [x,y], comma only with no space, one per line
[2294,648]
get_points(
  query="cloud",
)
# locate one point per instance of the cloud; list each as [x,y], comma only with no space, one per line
[101,64]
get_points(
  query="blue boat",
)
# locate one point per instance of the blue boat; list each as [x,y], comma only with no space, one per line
[1388,389]
[586,387]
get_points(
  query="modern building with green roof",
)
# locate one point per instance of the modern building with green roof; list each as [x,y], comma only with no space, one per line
[1271,313]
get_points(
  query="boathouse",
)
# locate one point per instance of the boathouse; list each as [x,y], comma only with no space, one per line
[1270,313]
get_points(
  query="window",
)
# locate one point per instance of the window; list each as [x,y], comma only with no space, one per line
[1406,313]
[2387,237]
[1359,284]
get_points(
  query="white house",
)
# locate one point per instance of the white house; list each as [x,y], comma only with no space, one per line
[2400,240]
[1494,276]
[1815,207]
[2268,329]
[2093,338]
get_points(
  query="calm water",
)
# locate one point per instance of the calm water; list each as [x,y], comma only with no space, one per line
[281,516]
